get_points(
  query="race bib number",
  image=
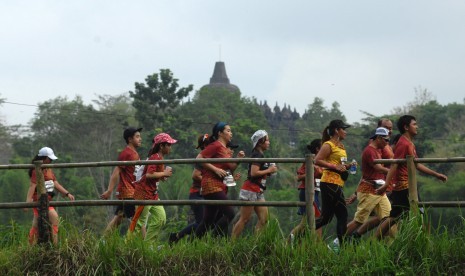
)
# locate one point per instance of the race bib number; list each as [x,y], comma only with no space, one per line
[50,186]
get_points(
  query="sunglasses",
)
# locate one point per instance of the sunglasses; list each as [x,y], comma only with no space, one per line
[385,139]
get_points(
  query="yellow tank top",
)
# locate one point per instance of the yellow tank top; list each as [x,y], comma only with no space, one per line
[337,156]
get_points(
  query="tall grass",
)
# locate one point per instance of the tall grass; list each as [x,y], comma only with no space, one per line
[414,251]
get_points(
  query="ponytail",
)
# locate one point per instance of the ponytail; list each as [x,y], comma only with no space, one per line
[155,148]
[326,135]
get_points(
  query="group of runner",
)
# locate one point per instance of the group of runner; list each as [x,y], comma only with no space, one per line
[209,181]
[382,189]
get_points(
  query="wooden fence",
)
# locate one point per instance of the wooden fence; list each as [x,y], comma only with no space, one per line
[43,203]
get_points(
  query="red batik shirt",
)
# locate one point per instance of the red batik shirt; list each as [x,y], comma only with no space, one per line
[368,171]
[126,175]
[147,188]
[212,183]
[196,184]
[403,148]
[317,173]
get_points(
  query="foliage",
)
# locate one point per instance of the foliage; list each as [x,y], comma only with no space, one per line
[156,100]
[14,185]
[5,136]
[210,106]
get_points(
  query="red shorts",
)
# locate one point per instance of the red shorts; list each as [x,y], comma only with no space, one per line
[36,211]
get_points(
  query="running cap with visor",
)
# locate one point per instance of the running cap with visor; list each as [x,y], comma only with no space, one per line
[338,124]
[380,131]
[163,138]
[46,151]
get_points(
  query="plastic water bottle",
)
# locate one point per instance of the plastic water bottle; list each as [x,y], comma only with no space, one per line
[353,167]
[271,165]
[228,180]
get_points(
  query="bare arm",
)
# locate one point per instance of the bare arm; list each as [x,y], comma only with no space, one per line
[256,172]
[233,166]
[63,191]
[30,192]
[390,174]
[380,168]
[422,168]
[324,153]
[165,173]
[114,178]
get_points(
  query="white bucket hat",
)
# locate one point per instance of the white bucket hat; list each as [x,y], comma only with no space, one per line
[259,134]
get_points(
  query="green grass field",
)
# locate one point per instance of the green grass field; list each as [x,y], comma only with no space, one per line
[412,252]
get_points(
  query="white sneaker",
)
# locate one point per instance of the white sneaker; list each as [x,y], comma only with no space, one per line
[334,246]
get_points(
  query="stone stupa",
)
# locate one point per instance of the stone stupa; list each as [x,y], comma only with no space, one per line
[220,79]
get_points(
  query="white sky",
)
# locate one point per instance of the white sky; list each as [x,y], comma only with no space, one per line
[366,55]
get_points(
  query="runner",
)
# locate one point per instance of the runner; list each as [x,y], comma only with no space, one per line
[213,187]
[373,176]
[333,158]
[314,148]
[398,174]
[149,219]
[124,176]
[52,186]
[254,187]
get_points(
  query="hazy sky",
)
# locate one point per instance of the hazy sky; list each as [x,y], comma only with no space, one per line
[366,55]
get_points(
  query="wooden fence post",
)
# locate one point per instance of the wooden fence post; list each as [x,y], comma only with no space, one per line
[43,221]
[412,184]
[309,192]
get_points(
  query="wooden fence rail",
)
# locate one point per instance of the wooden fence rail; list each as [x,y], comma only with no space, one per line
[43,203]
[18,205]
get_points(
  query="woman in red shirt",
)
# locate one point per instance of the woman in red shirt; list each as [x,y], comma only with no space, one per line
[314,147]
[51,185]
[213,174]
[147,189]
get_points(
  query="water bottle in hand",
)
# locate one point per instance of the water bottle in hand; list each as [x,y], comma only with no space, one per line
[353,167]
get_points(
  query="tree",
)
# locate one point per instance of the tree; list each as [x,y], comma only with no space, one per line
[13,188]
[315,119]
[211,105]
[158,98]
[422,97]
[83,133]
[80,132]
[5,150]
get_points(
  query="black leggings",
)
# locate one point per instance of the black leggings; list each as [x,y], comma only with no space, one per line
[198,215]
[215,214]
[333,203]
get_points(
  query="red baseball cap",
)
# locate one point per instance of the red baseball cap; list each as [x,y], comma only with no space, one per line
[163,138]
